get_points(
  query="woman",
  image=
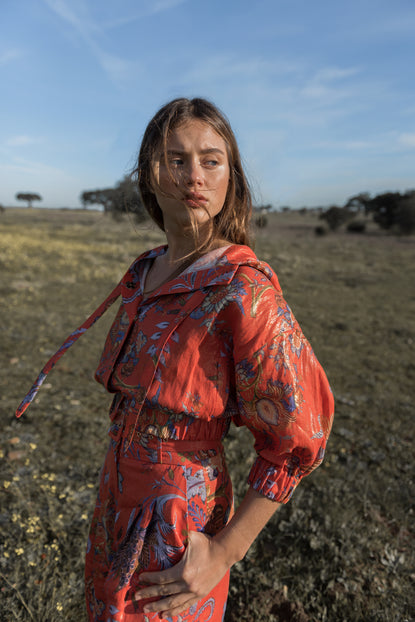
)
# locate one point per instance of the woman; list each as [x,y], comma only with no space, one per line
[202,337]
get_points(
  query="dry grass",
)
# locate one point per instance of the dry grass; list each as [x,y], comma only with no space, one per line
[342,549]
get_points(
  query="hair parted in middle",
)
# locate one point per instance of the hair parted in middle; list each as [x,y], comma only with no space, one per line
[233,221]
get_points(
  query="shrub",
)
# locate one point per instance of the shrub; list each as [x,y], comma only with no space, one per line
[336,216]
[356,226]
[261,222]
[405,216]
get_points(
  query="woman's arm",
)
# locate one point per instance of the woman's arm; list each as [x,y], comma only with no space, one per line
[207,559]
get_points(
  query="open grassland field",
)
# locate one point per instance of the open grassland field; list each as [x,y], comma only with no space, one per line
[342,549]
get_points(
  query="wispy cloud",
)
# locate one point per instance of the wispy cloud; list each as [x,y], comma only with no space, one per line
[281,90]
[332,74]
[399,25]
[21,141]
[387,142]
[159,6]
[281,76]
[329,85]
[234,68]
[407,139]
[165,5]
[348,145]
[118,69]
[30,168]
[10,55]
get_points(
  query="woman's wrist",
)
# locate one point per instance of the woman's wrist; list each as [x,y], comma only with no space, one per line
[232,547]
[251,516]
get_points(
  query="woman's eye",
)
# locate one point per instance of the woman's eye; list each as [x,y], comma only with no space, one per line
[212,162]
[176,161]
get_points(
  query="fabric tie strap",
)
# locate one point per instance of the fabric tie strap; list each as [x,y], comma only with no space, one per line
[74,336]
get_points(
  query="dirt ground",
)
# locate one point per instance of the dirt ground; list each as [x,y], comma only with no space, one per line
[343,547]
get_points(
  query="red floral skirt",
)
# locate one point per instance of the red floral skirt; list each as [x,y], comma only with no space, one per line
[149,498]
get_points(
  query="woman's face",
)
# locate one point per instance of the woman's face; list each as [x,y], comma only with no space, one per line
[195,176]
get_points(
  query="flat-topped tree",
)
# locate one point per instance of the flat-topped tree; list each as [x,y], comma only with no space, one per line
[29,197]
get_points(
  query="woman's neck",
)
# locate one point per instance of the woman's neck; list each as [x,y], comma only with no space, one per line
[181,245]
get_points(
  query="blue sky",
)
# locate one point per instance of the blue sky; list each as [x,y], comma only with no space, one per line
[321,93]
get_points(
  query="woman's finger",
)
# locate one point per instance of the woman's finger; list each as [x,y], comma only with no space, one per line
[163,576]
[179,609]
[164,589]
[178,603]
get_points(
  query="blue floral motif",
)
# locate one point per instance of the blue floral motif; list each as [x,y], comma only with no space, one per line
[198,515]
[245,371]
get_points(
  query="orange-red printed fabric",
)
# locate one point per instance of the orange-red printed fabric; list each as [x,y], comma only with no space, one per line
[149,499]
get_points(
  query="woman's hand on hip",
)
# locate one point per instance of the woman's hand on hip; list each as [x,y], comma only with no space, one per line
[201,568]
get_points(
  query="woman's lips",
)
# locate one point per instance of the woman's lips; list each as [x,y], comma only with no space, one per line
[195,200]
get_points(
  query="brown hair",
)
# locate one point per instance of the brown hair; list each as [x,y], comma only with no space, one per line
[232,222]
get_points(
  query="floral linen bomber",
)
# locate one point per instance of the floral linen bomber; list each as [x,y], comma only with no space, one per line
[216,344]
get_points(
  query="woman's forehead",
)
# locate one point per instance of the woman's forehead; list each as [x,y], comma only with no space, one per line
[195,132]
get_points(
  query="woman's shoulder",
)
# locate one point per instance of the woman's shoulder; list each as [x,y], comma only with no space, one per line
[250,267]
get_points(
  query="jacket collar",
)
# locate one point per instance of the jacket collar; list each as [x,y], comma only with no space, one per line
[200,275]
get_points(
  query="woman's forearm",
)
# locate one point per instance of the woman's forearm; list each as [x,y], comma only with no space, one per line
[206,560]
[249,519]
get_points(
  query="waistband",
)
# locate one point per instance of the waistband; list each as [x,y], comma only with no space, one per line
[156,450]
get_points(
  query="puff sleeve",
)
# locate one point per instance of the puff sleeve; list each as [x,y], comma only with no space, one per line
[280,390]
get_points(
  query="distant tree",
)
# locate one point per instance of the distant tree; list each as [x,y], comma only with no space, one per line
[358,202]
[127,199]
[336,216]
[384,208]
[261,221]
[261,212]
[102,197]
[123,198]
[29,197]
[405,215]
[2,209]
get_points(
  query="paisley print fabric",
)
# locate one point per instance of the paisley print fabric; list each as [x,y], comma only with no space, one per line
[218,344]
[149,498]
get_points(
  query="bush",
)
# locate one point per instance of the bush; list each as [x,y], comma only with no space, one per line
[356,226]
[405,217]
[261,222]
[394,211]
[336,216]
[320,230]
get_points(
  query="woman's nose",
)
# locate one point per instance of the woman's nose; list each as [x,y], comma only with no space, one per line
[193,173]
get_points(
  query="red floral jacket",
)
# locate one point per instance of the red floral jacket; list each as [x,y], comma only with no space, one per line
[216,344]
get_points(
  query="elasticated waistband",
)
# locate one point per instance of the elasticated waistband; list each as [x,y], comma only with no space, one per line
[155,450]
